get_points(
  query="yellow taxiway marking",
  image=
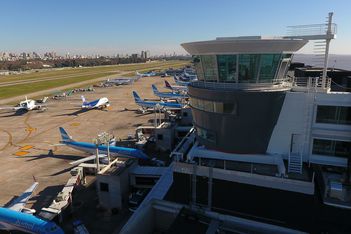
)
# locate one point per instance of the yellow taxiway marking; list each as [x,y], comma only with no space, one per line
[9,142]
[26,147]
[30,129]
[75,124]
[21,153]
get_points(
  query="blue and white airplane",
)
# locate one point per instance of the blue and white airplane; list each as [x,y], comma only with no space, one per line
[168,95]
[146,74]
[15,217]
[149,105]
[175,88]
[180,82]
[97,104]
[91,148]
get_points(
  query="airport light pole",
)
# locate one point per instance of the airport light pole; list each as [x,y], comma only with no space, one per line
[97,142]
[157,111]
[105,138]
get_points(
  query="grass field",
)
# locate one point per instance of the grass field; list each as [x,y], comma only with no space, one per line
[39,81]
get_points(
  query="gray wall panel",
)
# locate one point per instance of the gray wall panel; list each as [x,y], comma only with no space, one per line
[247,132]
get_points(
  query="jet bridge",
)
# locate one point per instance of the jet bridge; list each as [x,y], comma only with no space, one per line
[64,198]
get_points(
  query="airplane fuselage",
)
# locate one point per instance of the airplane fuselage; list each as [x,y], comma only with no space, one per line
[114,150]
[170,95]
[167,105]
[99,103]
[11,220]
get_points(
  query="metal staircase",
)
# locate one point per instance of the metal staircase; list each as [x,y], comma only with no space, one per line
[295,163]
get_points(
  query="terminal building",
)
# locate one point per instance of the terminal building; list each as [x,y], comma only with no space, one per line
[269,153]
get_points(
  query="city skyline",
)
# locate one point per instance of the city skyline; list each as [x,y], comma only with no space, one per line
[108,28]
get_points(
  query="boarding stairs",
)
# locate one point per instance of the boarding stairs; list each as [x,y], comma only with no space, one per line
[295,163]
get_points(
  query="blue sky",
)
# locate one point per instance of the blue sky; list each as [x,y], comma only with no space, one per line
[110,27]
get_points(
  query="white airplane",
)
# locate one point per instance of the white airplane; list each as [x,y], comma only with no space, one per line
[146,74]
[120,81]
[176,88]
[27,105]
[15,217]
[97,104]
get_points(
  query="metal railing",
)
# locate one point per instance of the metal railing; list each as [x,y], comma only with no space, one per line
[229,86]
[312,83]
[311,29]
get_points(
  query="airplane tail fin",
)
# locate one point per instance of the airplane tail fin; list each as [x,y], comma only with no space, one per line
[64,135]
[168,85]
[175,78]
[136,97]
[83,99]
[44,99]
[154,89]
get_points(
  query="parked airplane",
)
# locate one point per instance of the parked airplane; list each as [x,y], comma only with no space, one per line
[15,217]
[99,103]
[91,148]
[120,81]
[180,82]
[167,95]
[27,105]
[147,74]
[175,88]
[149,105]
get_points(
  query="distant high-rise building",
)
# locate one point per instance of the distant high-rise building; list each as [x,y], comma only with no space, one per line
[134,56]
[145,54]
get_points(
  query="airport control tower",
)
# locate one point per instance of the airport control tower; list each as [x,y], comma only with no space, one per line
[240,90]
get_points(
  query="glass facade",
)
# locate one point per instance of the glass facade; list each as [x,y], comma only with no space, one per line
[212,106]
[248,67]
[198,67]
[206,134]
[209,66]
[331,147]
[227,68]
[334,115]
[241,68]
[268,66]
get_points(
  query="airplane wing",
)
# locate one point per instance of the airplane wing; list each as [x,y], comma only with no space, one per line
[77,162]
[8,108]
[19,203]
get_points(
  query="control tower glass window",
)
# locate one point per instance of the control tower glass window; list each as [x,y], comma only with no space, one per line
[248,66]
[227,68]
[209,66]
[198,67]
[268,66]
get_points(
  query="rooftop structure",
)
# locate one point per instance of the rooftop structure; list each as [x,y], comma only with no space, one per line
[265,146]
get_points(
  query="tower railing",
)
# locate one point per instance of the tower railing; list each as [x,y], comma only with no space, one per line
[273,84]
[311,30]
[311,83]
